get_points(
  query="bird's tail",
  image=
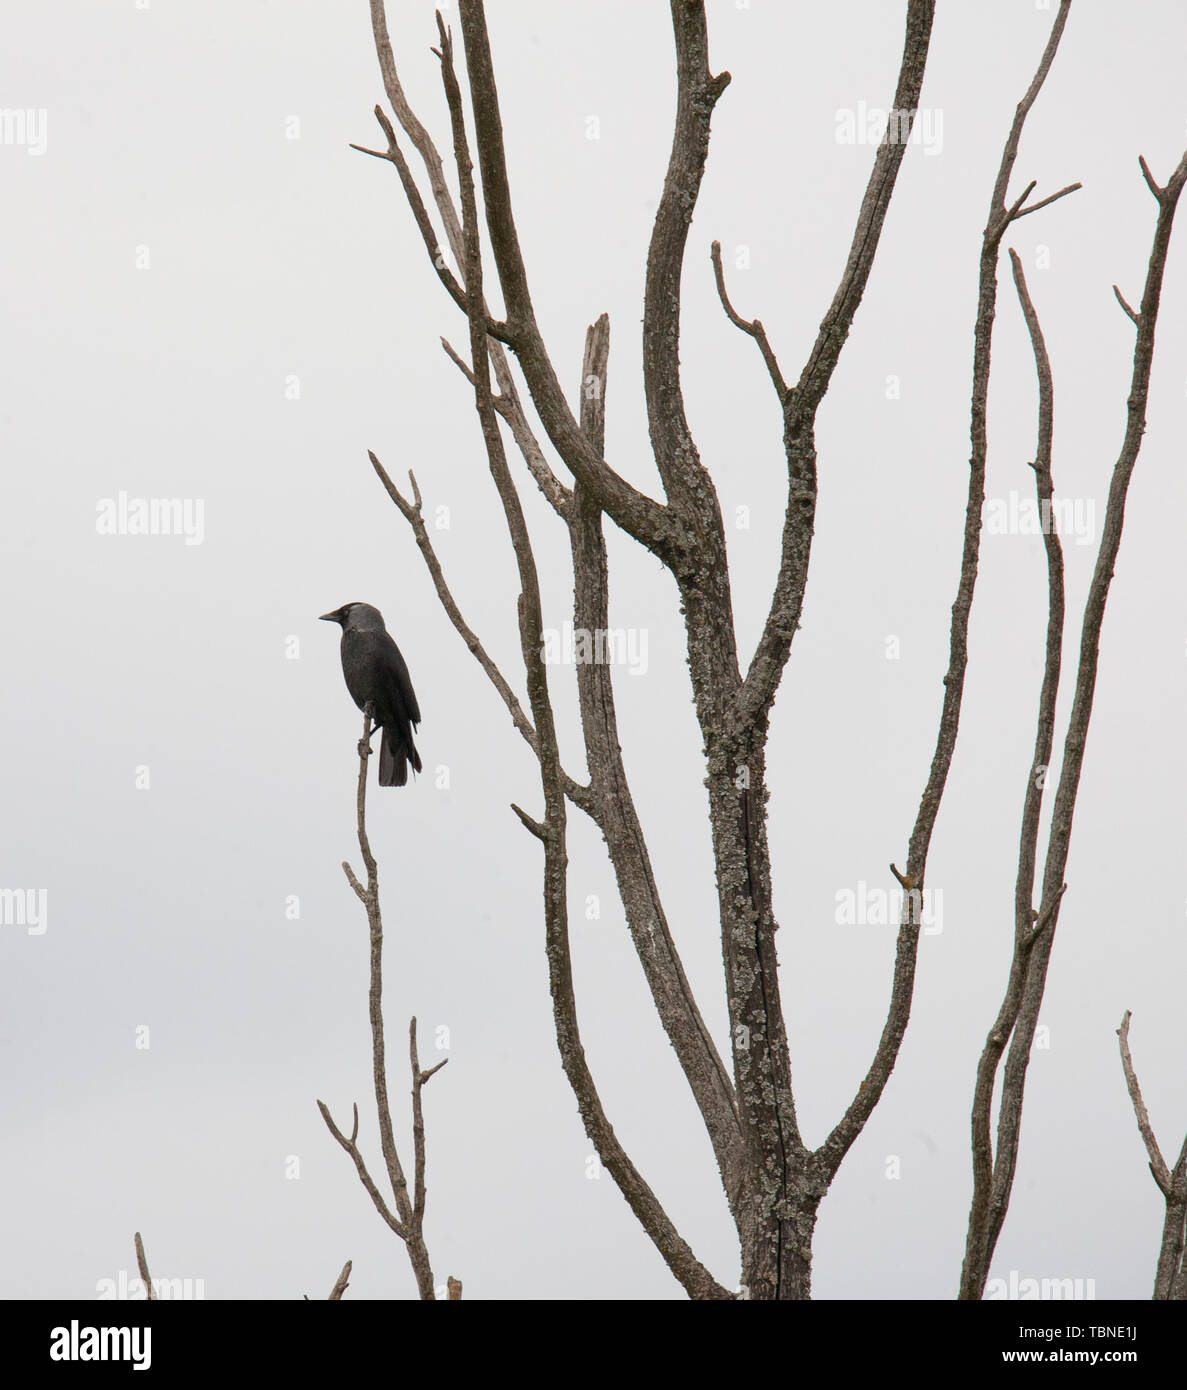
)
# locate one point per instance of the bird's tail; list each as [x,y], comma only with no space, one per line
[395,753]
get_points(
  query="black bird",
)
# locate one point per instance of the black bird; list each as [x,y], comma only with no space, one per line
[375,671]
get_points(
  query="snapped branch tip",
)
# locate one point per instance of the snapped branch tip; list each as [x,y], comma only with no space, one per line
[1130,311]
[1151,183]
[533,826]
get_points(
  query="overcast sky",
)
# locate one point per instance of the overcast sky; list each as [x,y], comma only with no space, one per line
[209,297]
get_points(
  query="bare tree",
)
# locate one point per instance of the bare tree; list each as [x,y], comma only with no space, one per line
[773,1181]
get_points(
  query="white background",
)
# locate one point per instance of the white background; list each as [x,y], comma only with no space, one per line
[273,257]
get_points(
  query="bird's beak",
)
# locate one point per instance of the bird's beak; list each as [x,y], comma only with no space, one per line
[335,617]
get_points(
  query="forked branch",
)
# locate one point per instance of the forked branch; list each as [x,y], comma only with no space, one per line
[642,517]
[906,952]
[551,831]
[801,402]
[985,1222]
[751,326]
[1170,1279]
[1028,924]
[407,1221]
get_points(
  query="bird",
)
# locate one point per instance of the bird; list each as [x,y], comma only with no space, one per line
[376,672]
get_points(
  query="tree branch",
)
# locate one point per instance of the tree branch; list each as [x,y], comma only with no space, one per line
[413,512]
[802,401]
[511,406]
[350,1146]
[1044,202]
[1160,1172]
[614,811]
[342,1283]
[642,517]
[686,483]
[395,157]
[556,494]
[1027,923]
[870,1090]
[1170,1279]
[1125,304]
[1059,836]
[142,1266]
[693,1276]
[751,326]
[1149,177]
[410,1223]
[419,1080]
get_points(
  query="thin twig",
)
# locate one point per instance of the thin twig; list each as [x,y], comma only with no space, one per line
[641,516]
[408,1225]
[394,155]
[419,1080]
[907,948]
[1028,924]
[1125,304]
[350,1146]
[142,1266]
[1170,1278]
[1045,202]
[802,401]
[511,406]
[555,492]
[1161,1173]
[529,824]
[1012,211]
[981,1244]
[751,326]
[342,1283]
[413,512]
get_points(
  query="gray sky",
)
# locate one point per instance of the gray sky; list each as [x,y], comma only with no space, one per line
[188,236]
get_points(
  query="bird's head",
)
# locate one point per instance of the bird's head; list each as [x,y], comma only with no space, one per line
[355,615]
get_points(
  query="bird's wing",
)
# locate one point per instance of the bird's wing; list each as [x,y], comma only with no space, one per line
[396,671]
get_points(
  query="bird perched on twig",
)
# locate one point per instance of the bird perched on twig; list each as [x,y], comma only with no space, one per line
[376,672]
